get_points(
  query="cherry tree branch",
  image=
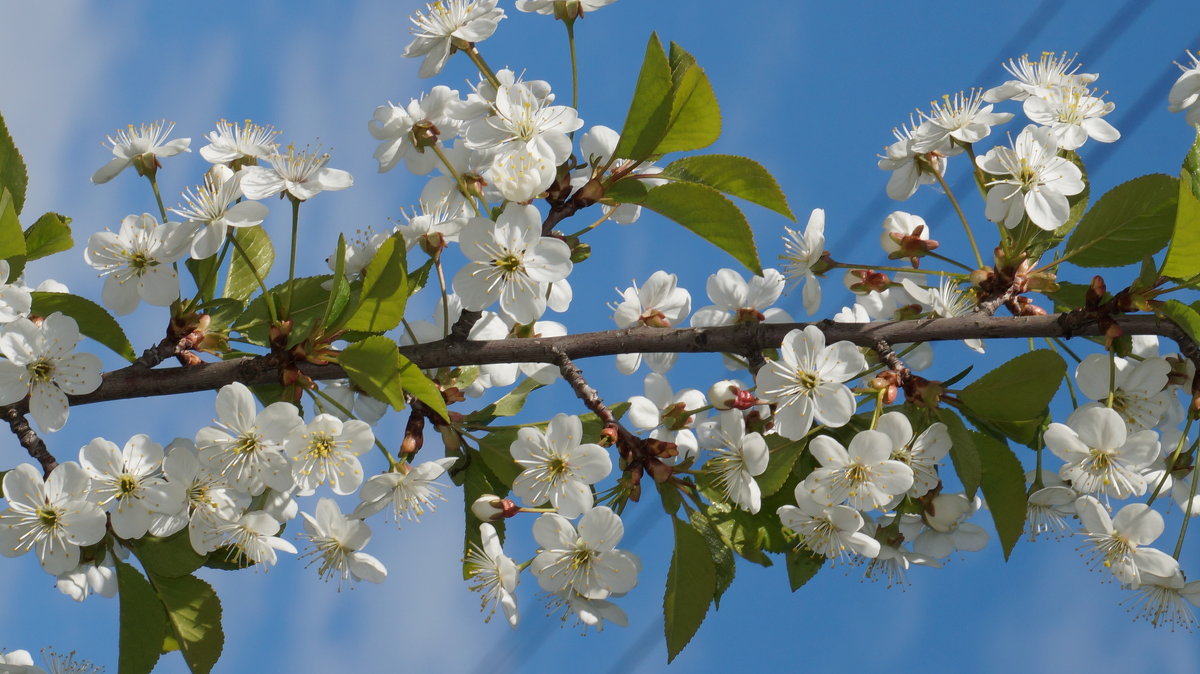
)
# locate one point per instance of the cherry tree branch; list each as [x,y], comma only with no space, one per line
[29,439]
[137,382]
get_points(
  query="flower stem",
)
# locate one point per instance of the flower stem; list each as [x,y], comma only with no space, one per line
[157,196]
[472,52]
[958,209]
[574,67]
[1171,462]
[437,264]
[590,227]
[212,277]
[237,245]
[947,260]
[481,206]
[904,270]
[292,258]
[1187,517]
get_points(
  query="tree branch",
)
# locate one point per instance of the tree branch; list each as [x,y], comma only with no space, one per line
[136,382]
[29,439]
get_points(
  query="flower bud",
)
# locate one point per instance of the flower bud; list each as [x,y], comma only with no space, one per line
[492,508]
[723,395]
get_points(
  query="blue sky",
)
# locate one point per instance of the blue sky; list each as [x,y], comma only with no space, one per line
[808,89]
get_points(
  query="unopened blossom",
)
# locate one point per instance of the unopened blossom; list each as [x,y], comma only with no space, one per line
[246,447]
[584,560]
[410,492]
[657,303]
[910,169]
[1101,456]
[663,412]
[406,132]
[42,364]
[53,518]
[802,252]
[948,529]
[326,452]
[1036,78]
[862,475]
[15,301]
[559,466]
[1165,601]
[1116,543]
[128,483]
[1139,388]
[212,208]
[1031,180]
[510,261]
[519,174]
[962,117]
[87,579]
[834,532]
[922,454]
[337,542]
[734,300]
[807,382]
[137,260]
[143,145]
[253,534]
[901,225]
[446,25]
[494,575]
[1185,93]
[302,175]
[243,143]
[1073,114]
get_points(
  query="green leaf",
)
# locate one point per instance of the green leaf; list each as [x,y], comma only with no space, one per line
[12,169]
[783,456]
[691,584]
[740,532]
[478,481]
[93,320]
[241,281]
[733,175]
[413,380]
[169,557]
[1130,221]
[194,613]
[12,239]
[1017,390]
[373,364]
[1183,316]
[724,564]
[650,110]
[695,120]
[1003,483]
[308,306]
[49,235]
[802,565]
[1068,296]
[143,622]
[223,311]
[708,213]
[384,290]
[204,275]
[228,558]
[1183,257]
[494,450]
[507,406]
[963,454]
[339,289]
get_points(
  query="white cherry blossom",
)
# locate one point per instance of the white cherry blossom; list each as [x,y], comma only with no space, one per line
[559,466]
[87,579]
[659,303]
[1035,78]
[128,483]
[136,261]
[862,475]
[410,492]
[393,126]
[446,25]
[1116,543]
[586,612]
[15,300]
[494,575]
[662,412]
[802,251]
[584,561]
[1139,388]
[243,143]
[737,301]
[807,382]
[54,518]
[337,542]
[962,117]
[570,8]
[326,452]
[910,169]
[253,534]
[740,458]
[834,532]
[1164,601]
[524,118]
[246,447]
[948,529]
[208,497]
[303,175]
[42,365]
[1101,456]
[212,208]
[1073,114]
[922,454]
[1185,93]
[144,144]
[1038,181]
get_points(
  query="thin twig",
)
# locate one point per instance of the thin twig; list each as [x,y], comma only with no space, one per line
[29,439]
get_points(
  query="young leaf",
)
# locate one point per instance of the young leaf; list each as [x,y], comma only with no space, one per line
[169,557]
[1017,390]
[384,290]
[724,564]
[1183,257]
[963,454]
[494,450]
[12,169]
[413,380]
[241,281]
[508,405]
[49,235]
[1132,220]
[204,274]
[373,364]
[194,613]
[802,565]
[478,480]
[706,212]
[1183,316]
[1003,483]
[339,289]
[691,584]
[733,175]
[308,306]
[93,320]
[695,120]
[12,239]
[783,456]
[650,110]
[143,622]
